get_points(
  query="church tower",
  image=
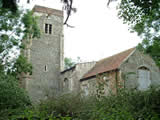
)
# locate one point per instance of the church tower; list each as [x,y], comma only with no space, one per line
[46,55]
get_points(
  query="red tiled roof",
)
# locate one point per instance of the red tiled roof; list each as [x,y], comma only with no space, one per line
[42,9]
[108,64]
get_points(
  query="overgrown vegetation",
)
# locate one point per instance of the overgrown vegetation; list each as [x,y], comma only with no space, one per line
[126,105]
[13,99]
[15,26]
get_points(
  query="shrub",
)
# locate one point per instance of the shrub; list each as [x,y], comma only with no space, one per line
[126,105]
[129,105]
[33,114]
[65,105]
[12,97]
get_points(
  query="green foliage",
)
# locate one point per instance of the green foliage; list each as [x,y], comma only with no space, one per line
[68,63]
[12,97]
[21,66]
[9,23]
[33,114]
[143,17]
[16,29]
[65,105]
[126,105]
[31,27]
[15,26]
[9,4]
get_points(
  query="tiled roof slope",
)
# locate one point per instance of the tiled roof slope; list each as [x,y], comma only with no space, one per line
[108,64]
[47,10]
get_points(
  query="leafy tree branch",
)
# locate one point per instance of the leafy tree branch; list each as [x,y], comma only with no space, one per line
[143,18]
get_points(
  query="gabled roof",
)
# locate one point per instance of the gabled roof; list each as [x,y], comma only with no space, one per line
[47,10]
[109,64]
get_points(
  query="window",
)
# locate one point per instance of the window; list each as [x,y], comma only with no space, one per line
[143,78]
[45,68]
[66,84]
[48,28]
[28,1]
[85,89]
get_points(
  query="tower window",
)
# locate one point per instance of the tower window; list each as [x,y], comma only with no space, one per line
[45,68]
[28,1]
[48,28]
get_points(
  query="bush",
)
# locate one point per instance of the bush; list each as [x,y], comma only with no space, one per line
[33,114]
[65,105]
[12,97]
[129,105]
[126,105]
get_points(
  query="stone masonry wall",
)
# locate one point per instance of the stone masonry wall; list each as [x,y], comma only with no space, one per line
[129,70]
[124,77]
[46,56]
[75,74]
[108,79]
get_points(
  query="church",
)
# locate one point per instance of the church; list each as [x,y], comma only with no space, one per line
[128,69]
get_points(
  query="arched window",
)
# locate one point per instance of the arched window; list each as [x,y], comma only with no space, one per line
[143,78]
[66,84]
[85,90]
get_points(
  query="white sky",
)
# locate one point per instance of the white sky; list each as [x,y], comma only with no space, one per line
[98,32]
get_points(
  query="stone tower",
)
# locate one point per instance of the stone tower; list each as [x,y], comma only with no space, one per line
[46,55]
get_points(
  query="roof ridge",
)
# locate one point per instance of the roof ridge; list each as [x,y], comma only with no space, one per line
[116,54]
[134,49]
[110,63]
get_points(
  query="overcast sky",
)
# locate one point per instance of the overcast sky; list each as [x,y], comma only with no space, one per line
[98,32]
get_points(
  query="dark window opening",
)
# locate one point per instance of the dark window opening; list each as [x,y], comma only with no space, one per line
[45,68]
[50,29]
[28,1]
[46,28]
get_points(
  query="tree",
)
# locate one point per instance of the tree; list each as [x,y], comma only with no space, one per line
[68,63]
[68,7]
[9,4]
[143,18]
[17,27]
